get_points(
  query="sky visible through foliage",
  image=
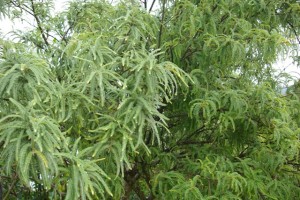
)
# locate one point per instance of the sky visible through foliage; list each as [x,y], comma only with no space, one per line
[284,63]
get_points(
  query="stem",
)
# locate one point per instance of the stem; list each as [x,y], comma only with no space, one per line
[1,191]
[25,8]
[295,32]
[139,193]
[147,178]
[39,23]
[130,178]
[11,187]
[152,5]
[161,24]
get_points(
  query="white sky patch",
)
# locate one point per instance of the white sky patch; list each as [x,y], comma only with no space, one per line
[7,25]
[60,6]
[287,65]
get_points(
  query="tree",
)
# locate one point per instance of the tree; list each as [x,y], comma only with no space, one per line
[124,101]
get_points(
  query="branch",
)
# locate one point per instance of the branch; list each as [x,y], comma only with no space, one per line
[139,193]
[28,10]
[192,142]
[4,99]
[38,23]
[11,187]
[294,164]
[186,52]
[65,34]
[152,5]
[22,8]
[147,178]
[131,176]
[199,130]
[71,25]
[161,24]
[295,32]
[243,153]
[1,191]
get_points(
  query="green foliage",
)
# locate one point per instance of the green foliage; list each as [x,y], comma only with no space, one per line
[114,101]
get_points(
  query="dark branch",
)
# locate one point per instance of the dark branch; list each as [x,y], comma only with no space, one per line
[39,23]
[152,5]
[161,24]
[25,8]
[65,34]
[11,187]
[1,191]
[295,32]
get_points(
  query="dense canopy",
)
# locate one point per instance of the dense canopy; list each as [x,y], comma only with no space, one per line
[165,99]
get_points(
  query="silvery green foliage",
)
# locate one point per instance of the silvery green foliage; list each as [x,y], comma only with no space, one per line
[107,101]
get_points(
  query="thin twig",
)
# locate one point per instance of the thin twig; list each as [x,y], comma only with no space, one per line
[22,8]
[152,5]
[295,32]
[65,34]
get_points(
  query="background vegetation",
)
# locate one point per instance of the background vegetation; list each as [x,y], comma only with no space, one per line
[135,101]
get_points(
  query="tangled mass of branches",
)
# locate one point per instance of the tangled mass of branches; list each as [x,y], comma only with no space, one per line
[165,99]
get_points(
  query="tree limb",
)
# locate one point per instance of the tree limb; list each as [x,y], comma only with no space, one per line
[1,191]
[11,187]
[152,5]
[39,23]
[161,24]
[295,32]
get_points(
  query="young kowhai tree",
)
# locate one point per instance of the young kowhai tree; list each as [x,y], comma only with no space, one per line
[170,99]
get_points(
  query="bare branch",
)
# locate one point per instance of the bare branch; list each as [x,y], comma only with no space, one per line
[151,7]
